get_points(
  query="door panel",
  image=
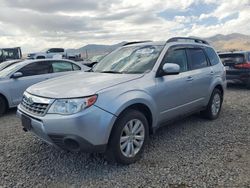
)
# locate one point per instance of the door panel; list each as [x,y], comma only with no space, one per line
[202,74]
[32,73]
[174,95]
[174,92]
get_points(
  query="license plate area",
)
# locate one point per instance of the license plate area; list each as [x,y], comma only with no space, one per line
[26,122]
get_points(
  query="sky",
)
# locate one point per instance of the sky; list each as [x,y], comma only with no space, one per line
[39,24]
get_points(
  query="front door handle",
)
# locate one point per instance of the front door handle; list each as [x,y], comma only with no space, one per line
[190,78]
[212,72]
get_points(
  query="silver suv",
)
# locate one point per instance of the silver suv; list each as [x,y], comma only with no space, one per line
[128,95]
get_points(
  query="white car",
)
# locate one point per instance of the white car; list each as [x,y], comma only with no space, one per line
[48,53]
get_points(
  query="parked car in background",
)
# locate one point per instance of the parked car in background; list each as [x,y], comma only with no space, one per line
[47,53]
[15,79]
[10,54]
[237,64]
[2,58]
[6,64]
[129,94]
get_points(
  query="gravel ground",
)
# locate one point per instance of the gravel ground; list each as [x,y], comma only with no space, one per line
[190,153]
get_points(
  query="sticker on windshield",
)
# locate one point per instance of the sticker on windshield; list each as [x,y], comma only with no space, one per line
[145,51]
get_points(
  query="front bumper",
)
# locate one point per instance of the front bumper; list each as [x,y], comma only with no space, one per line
[86,131]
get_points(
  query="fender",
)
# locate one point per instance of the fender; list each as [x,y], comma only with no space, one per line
[126,99]
[7,98]
[217,81]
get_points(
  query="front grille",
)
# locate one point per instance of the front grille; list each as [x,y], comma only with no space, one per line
[35,108]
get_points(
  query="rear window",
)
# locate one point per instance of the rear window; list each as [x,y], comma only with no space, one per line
[213,58]
[196,58]
[232,58]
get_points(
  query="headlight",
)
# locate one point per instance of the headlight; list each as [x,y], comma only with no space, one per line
[71,106]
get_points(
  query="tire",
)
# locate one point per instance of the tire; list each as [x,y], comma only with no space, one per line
[214,106]
[3,105]
[122,140]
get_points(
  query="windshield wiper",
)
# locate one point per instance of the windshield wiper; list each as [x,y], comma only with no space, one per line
[114,72]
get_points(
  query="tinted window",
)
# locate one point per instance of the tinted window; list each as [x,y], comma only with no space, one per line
[230,59]
[36,68]
[56,50]
[248,56]
[213,58]
[178,57]
[61,66]
[196,58]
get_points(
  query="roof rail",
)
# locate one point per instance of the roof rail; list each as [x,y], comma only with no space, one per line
[136,42]
[194,39]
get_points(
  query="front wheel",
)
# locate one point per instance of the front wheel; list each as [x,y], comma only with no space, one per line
[128,138]
[214,106]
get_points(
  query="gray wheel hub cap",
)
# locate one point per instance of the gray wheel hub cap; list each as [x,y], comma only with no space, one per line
[132,138]
[216,104]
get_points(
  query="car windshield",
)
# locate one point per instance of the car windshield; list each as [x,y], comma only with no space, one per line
[6,64]
[9,70]
[130,60]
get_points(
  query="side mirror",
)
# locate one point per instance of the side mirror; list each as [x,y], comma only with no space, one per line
[171,68]
[92,64]
[17,75]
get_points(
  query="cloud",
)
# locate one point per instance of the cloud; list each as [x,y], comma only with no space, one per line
[35,25]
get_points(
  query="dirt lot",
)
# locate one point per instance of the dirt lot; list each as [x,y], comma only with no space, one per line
[190,153]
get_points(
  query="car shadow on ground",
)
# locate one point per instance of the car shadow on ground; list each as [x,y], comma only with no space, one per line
[236,86]
[11,111]
[94,166]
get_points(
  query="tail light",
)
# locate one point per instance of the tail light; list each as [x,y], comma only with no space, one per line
[243,65]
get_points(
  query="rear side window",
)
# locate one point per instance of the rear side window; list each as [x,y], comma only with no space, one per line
[196,58]
[61,66]
[212,56]
[249,56]
[178,57]
[36,68]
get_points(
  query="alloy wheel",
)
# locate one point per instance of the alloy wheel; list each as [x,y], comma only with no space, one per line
[216,104]
[132,138]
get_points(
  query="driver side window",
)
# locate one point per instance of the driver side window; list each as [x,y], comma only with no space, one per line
[177,56]
[36,68]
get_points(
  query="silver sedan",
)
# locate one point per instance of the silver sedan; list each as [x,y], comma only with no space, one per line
[15,79]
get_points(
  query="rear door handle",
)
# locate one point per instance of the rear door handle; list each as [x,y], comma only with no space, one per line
[190,78]
[212,72]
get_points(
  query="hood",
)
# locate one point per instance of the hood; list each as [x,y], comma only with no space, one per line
[79,84]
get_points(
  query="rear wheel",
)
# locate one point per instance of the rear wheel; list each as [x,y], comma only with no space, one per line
[128,138]
[214,106]
[3,105]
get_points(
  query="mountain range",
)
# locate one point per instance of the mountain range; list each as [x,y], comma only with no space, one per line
[234,41]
